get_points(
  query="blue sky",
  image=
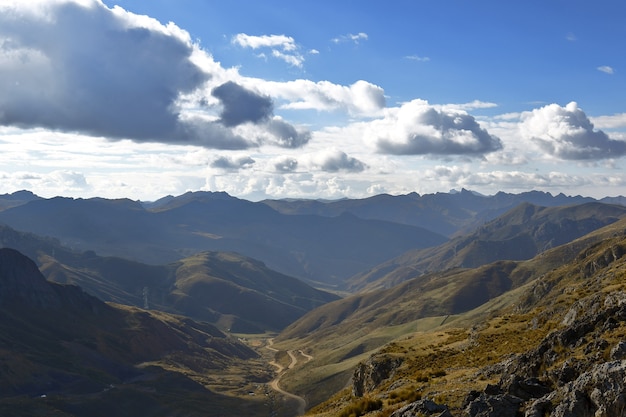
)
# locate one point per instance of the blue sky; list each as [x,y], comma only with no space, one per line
[323,99]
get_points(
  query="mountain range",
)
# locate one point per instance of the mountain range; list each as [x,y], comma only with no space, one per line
[417,324]
[323,242]
[316,248]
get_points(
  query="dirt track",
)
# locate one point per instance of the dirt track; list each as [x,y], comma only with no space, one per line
[280,371]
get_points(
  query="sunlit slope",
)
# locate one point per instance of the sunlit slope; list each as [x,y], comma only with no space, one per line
[552,347]
[346,331]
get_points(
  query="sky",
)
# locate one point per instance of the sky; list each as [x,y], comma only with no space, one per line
[291,99]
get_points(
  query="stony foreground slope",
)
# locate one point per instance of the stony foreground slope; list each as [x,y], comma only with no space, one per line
[555,347]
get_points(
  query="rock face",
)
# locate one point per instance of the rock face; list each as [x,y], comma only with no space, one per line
[370,374]
[579,387]
[600,392]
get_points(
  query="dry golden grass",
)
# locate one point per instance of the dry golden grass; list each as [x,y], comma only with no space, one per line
[444,363]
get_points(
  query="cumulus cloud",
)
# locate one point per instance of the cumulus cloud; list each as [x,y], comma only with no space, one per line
[283,47]
[285,135]
[567,133]
[334,160]
[79,66]
[610,122]
[359,98]
[472,105]
[85,67]
[286,164]
[241,105]
[286,43]
[232,164]
[418,128]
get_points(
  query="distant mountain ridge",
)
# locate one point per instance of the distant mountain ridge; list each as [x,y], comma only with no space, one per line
[444,213]
[322,242]
[316,248]
[519,234]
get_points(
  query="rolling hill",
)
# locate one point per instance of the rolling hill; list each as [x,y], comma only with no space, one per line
[236,293]
[66,353]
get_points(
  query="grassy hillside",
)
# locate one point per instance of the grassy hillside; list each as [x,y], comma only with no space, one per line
[343,333]
[537,352]
[235,292]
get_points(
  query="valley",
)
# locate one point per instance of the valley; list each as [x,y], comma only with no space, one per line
[388,306]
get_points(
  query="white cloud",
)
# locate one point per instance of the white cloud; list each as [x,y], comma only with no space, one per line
[334,160]
[286,43]
[606,69]
[476,104]
[283,47]
[417,58]
[567,133]
[79,66]
[351,37]
[286,164]
[614,121]
[360,98]
[418,128]
[232,164]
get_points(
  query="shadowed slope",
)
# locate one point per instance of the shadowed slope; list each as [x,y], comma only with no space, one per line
[93,359]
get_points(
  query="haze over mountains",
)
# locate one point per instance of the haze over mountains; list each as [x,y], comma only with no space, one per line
[322,242]
[180,273]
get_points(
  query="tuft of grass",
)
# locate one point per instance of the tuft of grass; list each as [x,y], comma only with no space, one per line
[361,407]
[408,394]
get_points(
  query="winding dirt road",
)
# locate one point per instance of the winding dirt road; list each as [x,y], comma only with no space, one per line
[280,371]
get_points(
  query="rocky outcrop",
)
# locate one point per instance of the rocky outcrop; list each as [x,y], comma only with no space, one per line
[599,392]
[367,376]
[540,383]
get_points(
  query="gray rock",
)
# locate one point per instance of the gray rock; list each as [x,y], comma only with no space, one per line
[501,405]
[619,351]
[370,374]
[599,392]
[423,408]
